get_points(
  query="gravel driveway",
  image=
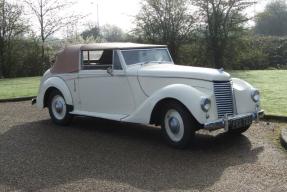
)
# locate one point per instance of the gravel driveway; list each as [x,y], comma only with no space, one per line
[99,155]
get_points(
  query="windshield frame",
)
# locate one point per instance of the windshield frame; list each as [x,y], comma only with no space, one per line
[143,49]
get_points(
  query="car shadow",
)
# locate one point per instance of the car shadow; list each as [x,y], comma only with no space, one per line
[41,155]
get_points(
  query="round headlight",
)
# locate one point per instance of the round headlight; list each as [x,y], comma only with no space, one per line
[205,104]
[255,95]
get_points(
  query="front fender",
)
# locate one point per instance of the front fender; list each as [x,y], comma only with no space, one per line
[54,82]
[242,92]
[187,95]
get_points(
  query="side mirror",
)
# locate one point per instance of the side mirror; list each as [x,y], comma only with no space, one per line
[110,71]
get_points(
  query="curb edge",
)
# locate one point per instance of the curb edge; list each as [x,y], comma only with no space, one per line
[19,99]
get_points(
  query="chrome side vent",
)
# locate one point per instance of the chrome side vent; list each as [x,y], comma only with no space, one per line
[224,98]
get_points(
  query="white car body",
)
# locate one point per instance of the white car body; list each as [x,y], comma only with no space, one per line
[131,94]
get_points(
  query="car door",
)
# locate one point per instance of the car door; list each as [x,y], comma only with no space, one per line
[103,86]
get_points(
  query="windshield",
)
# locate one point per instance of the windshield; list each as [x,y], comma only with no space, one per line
[144,56]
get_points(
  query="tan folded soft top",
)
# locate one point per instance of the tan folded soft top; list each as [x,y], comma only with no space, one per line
[67,60]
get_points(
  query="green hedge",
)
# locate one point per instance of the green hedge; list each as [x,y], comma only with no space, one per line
[250,52]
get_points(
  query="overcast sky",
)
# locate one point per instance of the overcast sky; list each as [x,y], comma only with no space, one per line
[122,12]
[115,12]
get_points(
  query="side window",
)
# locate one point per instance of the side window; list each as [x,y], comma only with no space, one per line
[117,62]
[97,60]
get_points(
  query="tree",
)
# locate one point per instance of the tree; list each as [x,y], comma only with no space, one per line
[112,33]
[273,21]
[50,19]
[165,22]
[222,21]
[11,27]
[93,32]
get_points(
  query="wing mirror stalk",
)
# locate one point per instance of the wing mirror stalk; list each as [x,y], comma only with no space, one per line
[110,71]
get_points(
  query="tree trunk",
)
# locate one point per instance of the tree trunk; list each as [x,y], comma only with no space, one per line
[218,58]
[217,53]
[2,34]
[43,54]
[173,51]
[1,62]
[42,36]
[1,55]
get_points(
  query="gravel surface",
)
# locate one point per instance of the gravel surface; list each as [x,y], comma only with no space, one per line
[100,155]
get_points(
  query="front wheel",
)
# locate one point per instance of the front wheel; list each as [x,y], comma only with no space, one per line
[177,125]
[58,109]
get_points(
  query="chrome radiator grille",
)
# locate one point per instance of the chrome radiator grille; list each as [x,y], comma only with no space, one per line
[224,98]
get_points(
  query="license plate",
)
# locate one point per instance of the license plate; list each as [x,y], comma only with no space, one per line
[239,123]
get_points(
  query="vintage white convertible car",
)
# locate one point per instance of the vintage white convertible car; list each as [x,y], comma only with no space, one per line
[139,83]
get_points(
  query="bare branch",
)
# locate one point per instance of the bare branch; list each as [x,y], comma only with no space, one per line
[165,22]
[49,18]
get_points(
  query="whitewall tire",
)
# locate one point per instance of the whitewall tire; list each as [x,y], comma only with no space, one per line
[58,108]
[178,125]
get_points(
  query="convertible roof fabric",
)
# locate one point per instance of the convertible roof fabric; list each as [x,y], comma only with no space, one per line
[68,60]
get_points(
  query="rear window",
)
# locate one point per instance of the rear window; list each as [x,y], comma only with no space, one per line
[97,60]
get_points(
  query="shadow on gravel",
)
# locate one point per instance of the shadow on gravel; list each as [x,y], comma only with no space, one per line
[40,155]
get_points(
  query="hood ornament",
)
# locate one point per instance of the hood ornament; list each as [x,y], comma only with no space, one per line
[221,70]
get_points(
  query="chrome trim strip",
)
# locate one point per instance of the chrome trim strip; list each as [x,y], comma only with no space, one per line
[173,77]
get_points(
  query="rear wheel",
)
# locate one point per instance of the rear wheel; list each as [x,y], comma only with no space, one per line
[178,126]
[58,109]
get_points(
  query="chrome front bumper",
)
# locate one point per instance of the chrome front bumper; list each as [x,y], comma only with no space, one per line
[227,121]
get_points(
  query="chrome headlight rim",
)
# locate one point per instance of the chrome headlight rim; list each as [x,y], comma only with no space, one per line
[205,104]
[255,95]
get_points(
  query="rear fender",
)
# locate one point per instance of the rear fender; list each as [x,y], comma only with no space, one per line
[57,83]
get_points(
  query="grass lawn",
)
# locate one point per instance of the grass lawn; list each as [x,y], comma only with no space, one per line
[19,87]
[272,84]
[273,87]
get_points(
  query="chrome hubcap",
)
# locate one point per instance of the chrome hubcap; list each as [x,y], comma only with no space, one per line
[174,125]
[59,106]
